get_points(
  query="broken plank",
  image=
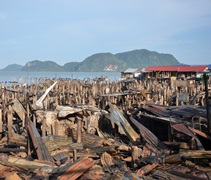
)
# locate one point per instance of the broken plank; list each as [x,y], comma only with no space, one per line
[146,169]
[22,163]
[77,169]
[195,154]
[41,149]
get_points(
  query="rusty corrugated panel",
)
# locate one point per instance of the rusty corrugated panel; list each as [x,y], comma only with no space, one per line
[200,133]
[148,136]
[177,68]
[190,111]
[41,149]
[117,117]
[184,129]
[157,110]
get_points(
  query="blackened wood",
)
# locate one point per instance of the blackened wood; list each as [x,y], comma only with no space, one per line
[9,124]
[160,174]
[135,156]
[146,169]
[4,150]
[175,158]
[43,127]
[1,124]
[78,130]
[74,155]
[207,101]
[186,176]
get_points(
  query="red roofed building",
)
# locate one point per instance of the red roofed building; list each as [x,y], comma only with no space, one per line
[177,71]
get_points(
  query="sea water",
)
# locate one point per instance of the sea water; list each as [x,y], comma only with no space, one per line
[22,76]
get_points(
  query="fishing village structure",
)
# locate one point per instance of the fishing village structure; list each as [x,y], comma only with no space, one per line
[153,126]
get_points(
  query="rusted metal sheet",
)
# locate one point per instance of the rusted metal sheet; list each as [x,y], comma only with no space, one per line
[77,169]
[116,116]
[158,110]
[184,129]
[200,133]
[148,135]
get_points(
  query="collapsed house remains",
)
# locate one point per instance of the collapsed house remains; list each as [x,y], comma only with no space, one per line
[97,129]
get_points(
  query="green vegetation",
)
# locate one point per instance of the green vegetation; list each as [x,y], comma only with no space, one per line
[71,66]
[104,62]
[144,58]
[12,67]
[37,65]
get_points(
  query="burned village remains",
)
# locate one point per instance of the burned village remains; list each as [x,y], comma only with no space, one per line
[134,128]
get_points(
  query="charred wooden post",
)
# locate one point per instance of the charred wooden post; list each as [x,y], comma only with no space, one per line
[78,129]
[207,102]
[74,155]
[55,132]
[135,156]
[43,127]
[1,124]
[34,107]
[9,124]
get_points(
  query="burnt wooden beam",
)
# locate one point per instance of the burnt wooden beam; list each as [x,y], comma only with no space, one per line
[1,124]
[5,150]
[40,147]
[207,101]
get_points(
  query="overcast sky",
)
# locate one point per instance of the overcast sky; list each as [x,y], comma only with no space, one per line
[72,30]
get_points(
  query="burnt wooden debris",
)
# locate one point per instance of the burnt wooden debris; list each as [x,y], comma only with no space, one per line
[98,129]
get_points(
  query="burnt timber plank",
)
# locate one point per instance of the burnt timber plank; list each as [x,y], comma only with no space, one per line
[41,149]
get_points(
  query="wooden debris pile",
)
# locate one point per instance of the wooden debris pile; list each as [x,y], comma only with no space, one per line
[97,129]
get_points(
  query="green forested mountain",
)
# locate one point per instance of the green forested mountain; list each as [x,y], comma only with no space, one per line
[13,67]
[37,65]
[71,66]
[102,62]
[143,58]
[107,62]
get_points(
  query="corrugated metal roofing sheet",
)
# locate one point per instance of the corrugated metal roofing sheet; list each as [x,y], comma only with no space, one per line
[131,70]
[177,68]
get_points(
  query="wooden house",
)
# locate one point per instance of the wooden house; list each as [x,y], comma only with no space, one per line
[184,71]
[130,73]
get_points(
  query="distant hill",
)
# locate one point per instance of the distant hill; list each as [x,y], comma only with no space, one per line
[13,67]
[143,58]
[102,62]
[71,66]
[37,65]
[105,62]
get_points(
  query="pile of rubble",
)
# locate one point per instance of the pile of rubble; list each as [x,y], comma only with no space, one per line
[86,141]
